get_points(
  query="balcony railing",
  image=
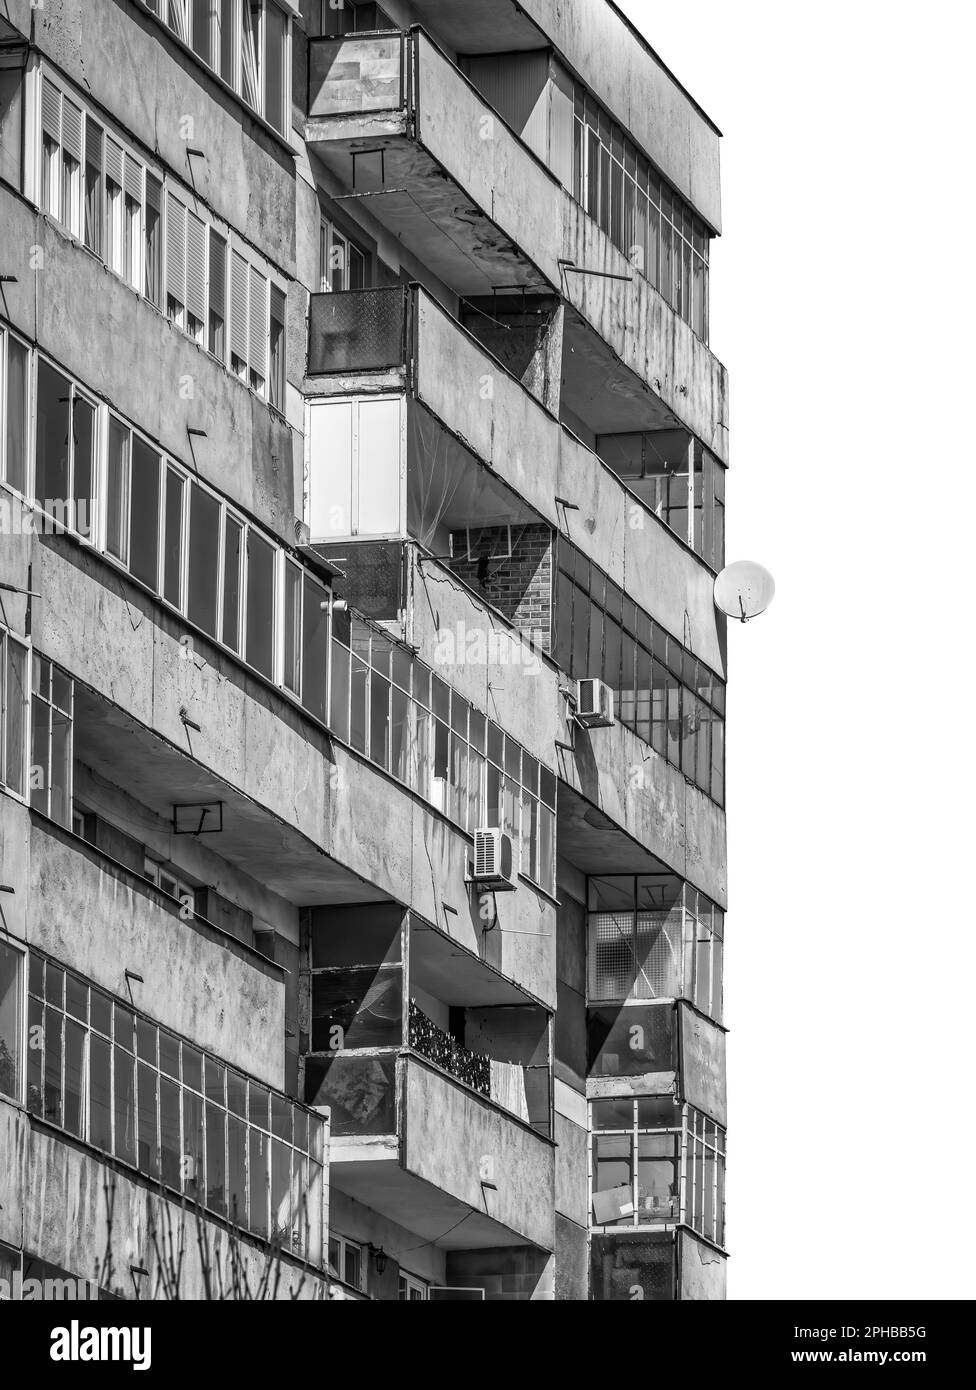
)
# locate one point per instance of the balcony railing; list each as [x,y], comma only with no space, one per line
[471,1068]
[356,74]
[357,331]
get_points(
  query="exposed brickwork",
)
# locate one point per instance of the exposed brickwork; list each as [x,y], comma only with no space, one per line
[520,586]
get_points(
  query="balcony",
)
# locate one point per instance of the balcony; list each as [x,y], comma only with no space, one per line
[424,480]
[391,117]
[436,1070]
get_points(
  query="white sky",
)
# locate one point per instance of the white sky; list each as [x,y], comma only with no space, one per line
[842,300]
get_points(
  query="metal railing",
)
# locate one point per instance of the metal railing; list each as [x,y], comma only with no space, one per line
[357,330]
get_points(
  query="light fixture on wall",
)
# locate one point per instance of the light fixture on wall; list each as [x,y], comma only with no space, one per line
[381,1258]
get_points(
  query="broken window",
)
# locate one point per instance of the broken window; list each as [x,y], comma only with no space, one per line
[655,1162]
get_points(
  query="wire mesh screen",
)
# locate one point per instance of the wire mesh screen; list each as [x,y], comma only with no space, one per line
[357,330]
[634,956]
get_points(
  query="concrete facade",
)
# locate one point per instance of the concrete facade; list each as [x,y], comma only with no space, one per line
[322,370]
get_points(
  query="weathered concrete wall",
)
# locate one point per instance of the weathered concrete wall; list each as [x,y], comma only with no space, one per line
[658,808]
[447,1132]
[87,1219]
[248,452]
[572,1261]
[571,1161]
[633,84]
[91,919]
[512,685]
[703,1271]
[529,205]
[119,643]
[511,432]
[247,175]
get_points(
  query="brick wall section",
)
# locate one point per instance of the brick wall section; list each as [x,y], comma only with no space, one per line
[519,587]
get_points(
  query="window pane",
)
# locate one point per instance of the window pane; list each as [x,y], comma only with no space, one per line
[173,541]
[216,1198]
[83,419]
[60,770]
[258,1181]
[74,1075]
[236,1169]
[100,1092]
[125,1106]
[16,423]
[193,1172]
[203,563]
[53,1023]
[145,513]
[231,623]
[315,648]
[293,628]
[148,1136]
[11,1022]
[274,70]
[260,604]
[117,490]
[51,476]
[15,717]
[169,1128]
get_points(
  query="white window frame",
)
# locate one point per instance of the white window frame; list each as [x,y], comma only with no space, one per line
[344,1243]
[6,334]
[410,1283]
[22,951]
[6,637]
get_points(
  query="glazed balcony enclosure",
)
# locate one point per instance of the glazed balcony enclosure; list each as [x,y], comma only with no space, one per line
[436,1070]
[442,169]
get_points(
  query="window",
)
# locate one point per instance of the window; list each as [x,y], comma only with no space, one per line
[653,936]
[52,715]
[14,656]
[412,1290]
[11,126]
[390,707]
[11,1022]
[170,881]
[352,17]
[67,448]
[342,264]
[276,381]
[656,1162]
[664,694]
[643,216]
[148,231]
[346,1262]
[117,490]
[246,42]
[203,569]
[117,1081]
[260,604]
[14,378]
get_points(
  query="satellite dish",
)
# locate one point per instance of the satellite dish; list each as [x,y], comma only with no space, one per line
[744,590]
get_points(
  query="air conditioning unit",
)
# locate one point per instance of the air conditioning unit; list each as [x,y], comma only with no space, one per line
[494,861]
[594,704]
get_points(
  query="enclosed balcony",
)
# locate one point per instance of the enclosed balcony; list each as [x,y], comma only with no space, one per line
[398,123]
[436,1070]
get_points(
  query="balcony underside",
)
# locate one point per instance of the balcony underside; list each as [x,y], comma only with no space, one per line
[160,776]
[370,1172]
[590,841]
[601,390]
[480,26]
[410,193]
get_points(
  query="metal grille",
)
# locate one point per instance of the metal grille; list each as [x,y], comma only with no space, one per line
[634,956]
[356,331]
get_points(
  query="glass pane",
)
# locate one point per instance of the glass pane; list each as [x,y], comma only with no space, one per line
[145,513]
[125,1106]
[237,1169]
[117,492]
[11,1021]
[293,628]
[193,1171]
[216,1195]
[201,604]
[169,1128]
[173,542]
[258,1181]
[148,1134]
[16,424]
[260,604]
[52,1067]
[83,418]
[100,1092]
[231,622]
[14,732]
[51,445]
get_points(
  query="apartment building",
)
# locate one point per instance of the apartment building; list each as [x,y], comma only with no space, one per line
[362,841]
